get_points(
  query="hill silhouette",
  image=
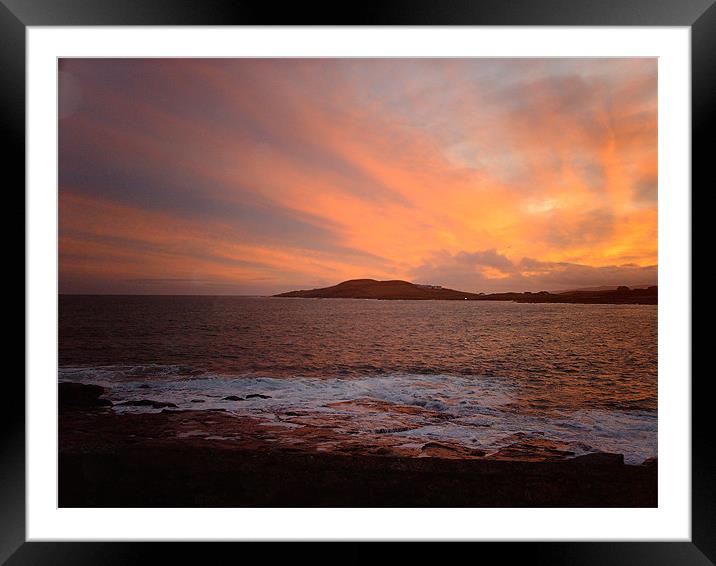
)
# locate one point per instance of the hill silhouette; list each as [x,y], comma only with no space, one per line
[404,290]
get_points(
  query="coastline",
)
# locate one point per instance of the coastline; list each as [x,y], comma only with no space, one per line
[404,290]
[108,459]
[537,300]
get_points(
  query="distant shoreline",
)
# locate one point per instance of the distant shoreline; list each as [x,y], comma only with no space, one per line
[487,298]
[403,290]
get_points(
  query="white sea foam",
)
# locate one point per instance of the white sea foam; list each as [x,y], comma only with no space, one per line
[472,411]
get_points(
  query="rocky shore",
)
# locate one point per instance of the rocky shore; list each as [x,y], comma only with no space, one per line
[216,459]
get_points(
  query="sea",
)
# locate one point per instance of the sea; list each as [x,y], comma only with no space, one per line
[478,374]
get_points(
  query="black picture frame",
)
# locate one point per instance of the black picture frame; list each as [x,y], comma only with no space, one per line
[17,15]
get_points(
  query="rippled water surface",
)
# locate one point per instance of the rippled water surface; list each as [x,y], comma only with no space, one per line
[476,373]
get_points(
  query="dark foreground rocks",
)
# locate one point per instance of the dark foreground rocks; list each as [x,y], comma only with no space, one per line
[157,460]
[600,459]
[78,396]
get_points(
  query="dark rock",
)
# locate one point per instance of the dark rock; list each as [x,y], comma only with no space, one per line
[429,445]
[197,400]
[381,451]
[146,403]
[258,395]
[650,462]
[148,466]
[144,386]
[600,459]
[440,450]
[233,398]
[391,430]
[74,396]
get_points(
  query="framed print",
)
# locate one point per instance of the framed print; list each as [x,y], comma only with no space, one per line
[420,275]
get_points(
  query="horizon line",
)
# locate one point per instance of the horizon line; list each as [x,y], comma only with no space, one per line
[275,295]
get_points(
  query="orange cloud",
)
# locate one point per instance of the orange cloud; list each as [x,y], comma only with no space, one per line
[256,176]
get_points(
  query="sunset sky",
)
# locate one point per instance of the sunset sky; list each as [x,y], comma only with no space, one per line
[241,176]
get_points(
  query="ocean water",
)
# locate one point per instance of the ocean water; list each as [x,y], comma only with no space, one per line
[478,374]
